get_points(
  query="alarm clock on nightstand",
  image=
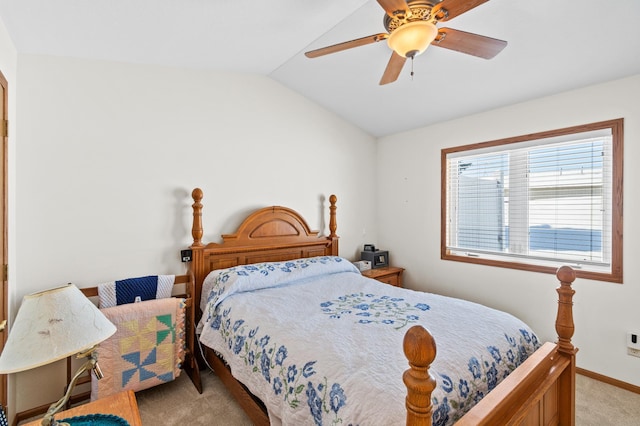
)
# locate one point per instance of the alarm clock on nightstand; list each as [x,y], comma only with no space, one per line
[378,258]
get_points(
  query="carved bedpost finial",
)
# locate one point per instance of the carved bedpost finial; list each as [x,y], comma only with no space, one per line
[564,321]
[333,226]
[196,228]
[420,349]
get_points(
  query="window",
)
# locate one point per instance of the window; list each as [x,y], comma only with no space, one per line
[537,202]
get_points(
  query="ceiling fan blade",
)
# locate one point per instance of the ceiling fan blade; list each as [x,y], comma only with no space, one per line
[393,69]
[392,7]
[469,43]
[346,45]
[448,9]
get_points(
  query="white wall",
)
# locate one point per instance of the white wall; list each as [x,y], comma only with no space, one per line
[409,223]
[108,155]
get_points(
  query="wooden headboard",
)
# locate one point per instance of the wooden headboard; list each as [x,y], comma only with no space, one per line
[269,234]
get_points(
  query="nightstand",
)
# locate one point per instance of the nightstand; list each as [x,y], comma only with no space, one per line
[121,404]
[388,275]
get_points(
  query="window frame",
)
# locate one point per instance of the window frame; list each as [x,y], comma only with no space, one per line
[617,132]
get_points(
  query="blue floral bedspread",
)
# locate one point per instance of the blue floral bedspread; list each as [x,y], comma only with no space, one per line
[320,344]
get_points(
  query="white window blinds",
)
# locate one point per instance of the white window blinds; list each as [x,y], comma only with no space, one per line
[545,201]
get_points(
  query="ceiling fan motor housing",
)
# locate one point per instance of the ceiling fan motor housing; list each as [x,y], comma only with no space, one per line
[420,11]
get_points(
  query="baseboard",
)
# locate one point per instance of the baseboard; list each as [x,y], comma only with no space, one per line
[33,412]
[609,380]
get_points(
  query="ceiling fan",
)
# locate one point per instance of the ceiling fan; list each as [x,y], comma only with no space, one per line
[411,27]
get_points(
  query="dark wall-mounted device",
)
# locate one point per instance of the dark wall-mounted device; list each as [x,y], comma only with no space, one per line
[378,258]
[185,255]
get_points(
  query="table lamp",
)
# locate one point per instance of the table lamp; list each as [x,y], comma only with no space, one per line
[52,325]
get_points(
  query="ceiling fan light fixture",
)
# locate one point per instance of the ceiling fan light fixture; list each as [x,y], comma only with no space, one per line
[412,38]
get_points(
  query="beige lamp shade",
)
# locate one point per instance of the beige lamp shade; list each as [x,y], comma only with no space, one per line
[412,38]
[53,325]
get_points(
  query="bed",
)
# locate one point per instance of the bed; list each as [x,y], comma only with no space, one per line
[537,380]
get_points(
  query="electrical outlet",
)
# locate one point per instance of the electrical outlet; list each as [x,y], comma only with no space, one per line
[633,352]
[633,339]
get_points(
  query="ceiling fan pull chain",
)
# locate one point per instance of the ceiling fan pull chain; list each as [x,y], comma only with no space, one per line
[412,67]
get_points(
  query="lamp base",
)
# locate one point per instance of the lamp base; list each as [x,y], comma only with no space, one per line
[93,420]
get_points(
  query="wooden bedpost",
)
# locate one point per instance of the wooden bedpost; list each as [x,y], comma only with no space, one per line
[565,329]
[564,319]
[333,225]
[196,266]
[196,228]
[420,349]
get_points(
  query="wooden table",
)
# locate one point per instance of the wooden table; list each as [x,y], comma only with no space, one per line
[121,404]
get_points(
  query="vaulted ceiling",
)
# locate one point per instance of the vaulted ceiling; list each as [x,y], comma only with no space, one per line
[553,46]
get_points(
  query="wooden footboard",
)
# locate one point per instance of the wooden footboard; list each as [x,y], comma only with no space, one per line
[541,391]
